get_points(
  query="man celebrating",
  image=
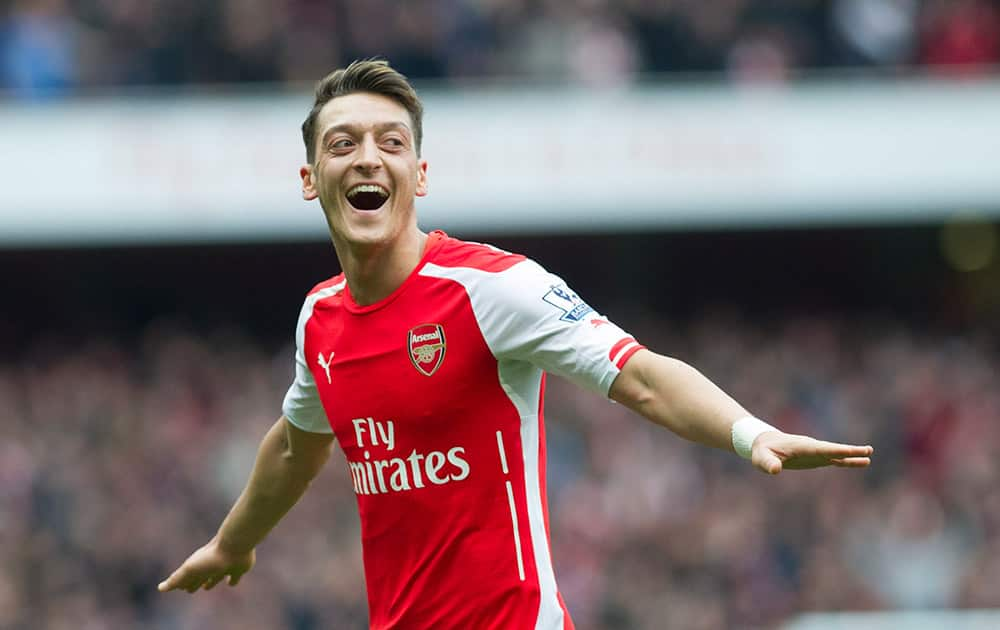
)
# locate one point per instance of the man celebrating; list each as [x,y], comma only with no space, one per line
[426,359]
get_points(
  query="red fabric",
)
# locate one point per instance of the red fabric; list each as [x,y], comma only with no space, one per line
[441,553]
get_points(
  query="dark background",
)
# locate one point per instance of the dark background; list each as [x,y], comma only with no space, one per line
[896,272]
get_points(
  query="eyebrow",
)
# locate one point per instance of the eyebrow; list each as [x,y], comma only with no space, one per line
[350,127]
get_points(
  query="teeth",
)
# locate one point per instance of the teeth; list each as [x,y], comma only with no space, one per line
[367,188]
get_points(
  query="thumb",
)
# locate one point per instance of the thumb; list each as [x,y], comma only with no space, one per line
[769,463]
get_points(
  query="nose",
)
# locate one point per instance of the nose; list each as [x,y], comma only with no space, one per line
[368,158]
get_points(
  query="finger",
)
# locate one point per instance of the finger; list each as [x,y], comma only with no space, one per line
[852,462]
[213,582]
[192,586]
[170,583]
[234,579]
[833,449]
[191,582]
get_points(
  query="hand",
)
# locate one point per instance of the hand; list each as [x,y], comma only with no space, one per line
[774,451]
[208,566]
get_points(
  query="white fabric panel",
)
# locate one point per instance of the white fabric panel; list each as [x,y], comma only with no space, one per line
[523,382]
[529,314]
[302,406]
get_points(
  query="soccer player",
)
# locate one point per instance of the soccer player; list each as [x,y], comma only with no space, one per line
[425,360]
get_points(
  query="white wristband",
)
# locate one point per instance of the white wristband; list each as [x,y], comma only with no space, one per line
[745,431]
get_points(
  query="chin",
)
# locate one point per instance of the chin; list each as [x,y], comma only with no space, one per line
[364,232]
[368,235]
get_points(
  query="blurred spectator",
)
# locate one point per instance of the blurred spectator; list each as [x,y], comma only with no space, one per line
[113,462]
[50,46]
[911,554]
[250,40]
[38,48]
[879,32]
[961,36]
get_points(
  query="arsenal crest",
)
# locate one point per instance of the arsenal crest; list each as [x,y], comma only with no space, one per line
[426,346]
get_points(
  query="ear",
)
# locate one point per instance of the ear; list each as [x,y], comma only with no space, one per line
[421,178]
[308,184]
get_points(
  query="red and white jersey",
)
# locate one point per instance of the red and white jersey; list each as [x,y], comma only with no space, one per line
[435,396]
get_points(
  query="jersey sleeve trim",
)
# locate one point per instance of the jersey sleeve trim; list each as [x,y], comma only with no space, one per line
[622,351]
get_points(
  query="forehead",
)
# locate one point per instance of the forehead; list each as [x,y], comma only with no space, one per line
[364,110]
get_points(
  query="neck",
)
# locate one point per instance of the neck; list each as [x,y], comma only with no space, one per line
[374,271]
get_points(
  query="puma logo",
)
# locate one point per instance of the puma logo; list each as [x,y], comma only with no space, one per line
[325,364]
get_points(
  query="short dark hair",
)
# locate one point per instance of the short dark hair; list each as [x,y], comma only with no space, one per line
[364,75]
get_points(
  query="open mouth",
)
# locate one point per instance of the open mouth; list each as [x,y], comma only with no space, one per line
[367,196]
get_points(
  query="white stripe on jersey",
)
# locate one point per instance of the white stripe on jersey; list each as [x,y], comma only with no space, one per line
[517,536]
[523,384]
[503,456]
[307,310]
[513,508]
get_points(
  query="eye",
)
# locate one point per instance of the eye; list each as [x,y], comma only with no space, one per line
[394,141]
[343,143]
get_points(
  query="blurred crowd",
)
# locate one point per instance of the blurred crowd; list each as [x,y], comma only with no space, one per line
[118,459]
[51,47]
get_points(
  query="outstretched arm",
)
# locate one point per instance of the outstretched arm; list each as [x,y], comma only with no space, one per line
[287,461]
[673,394]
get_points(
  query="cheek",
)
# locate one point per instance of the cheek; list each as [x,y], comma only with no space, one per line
[330,178]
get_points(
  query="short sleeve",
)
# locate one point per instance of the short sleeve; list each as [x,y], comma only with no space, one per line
[528,314]
[302,405]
